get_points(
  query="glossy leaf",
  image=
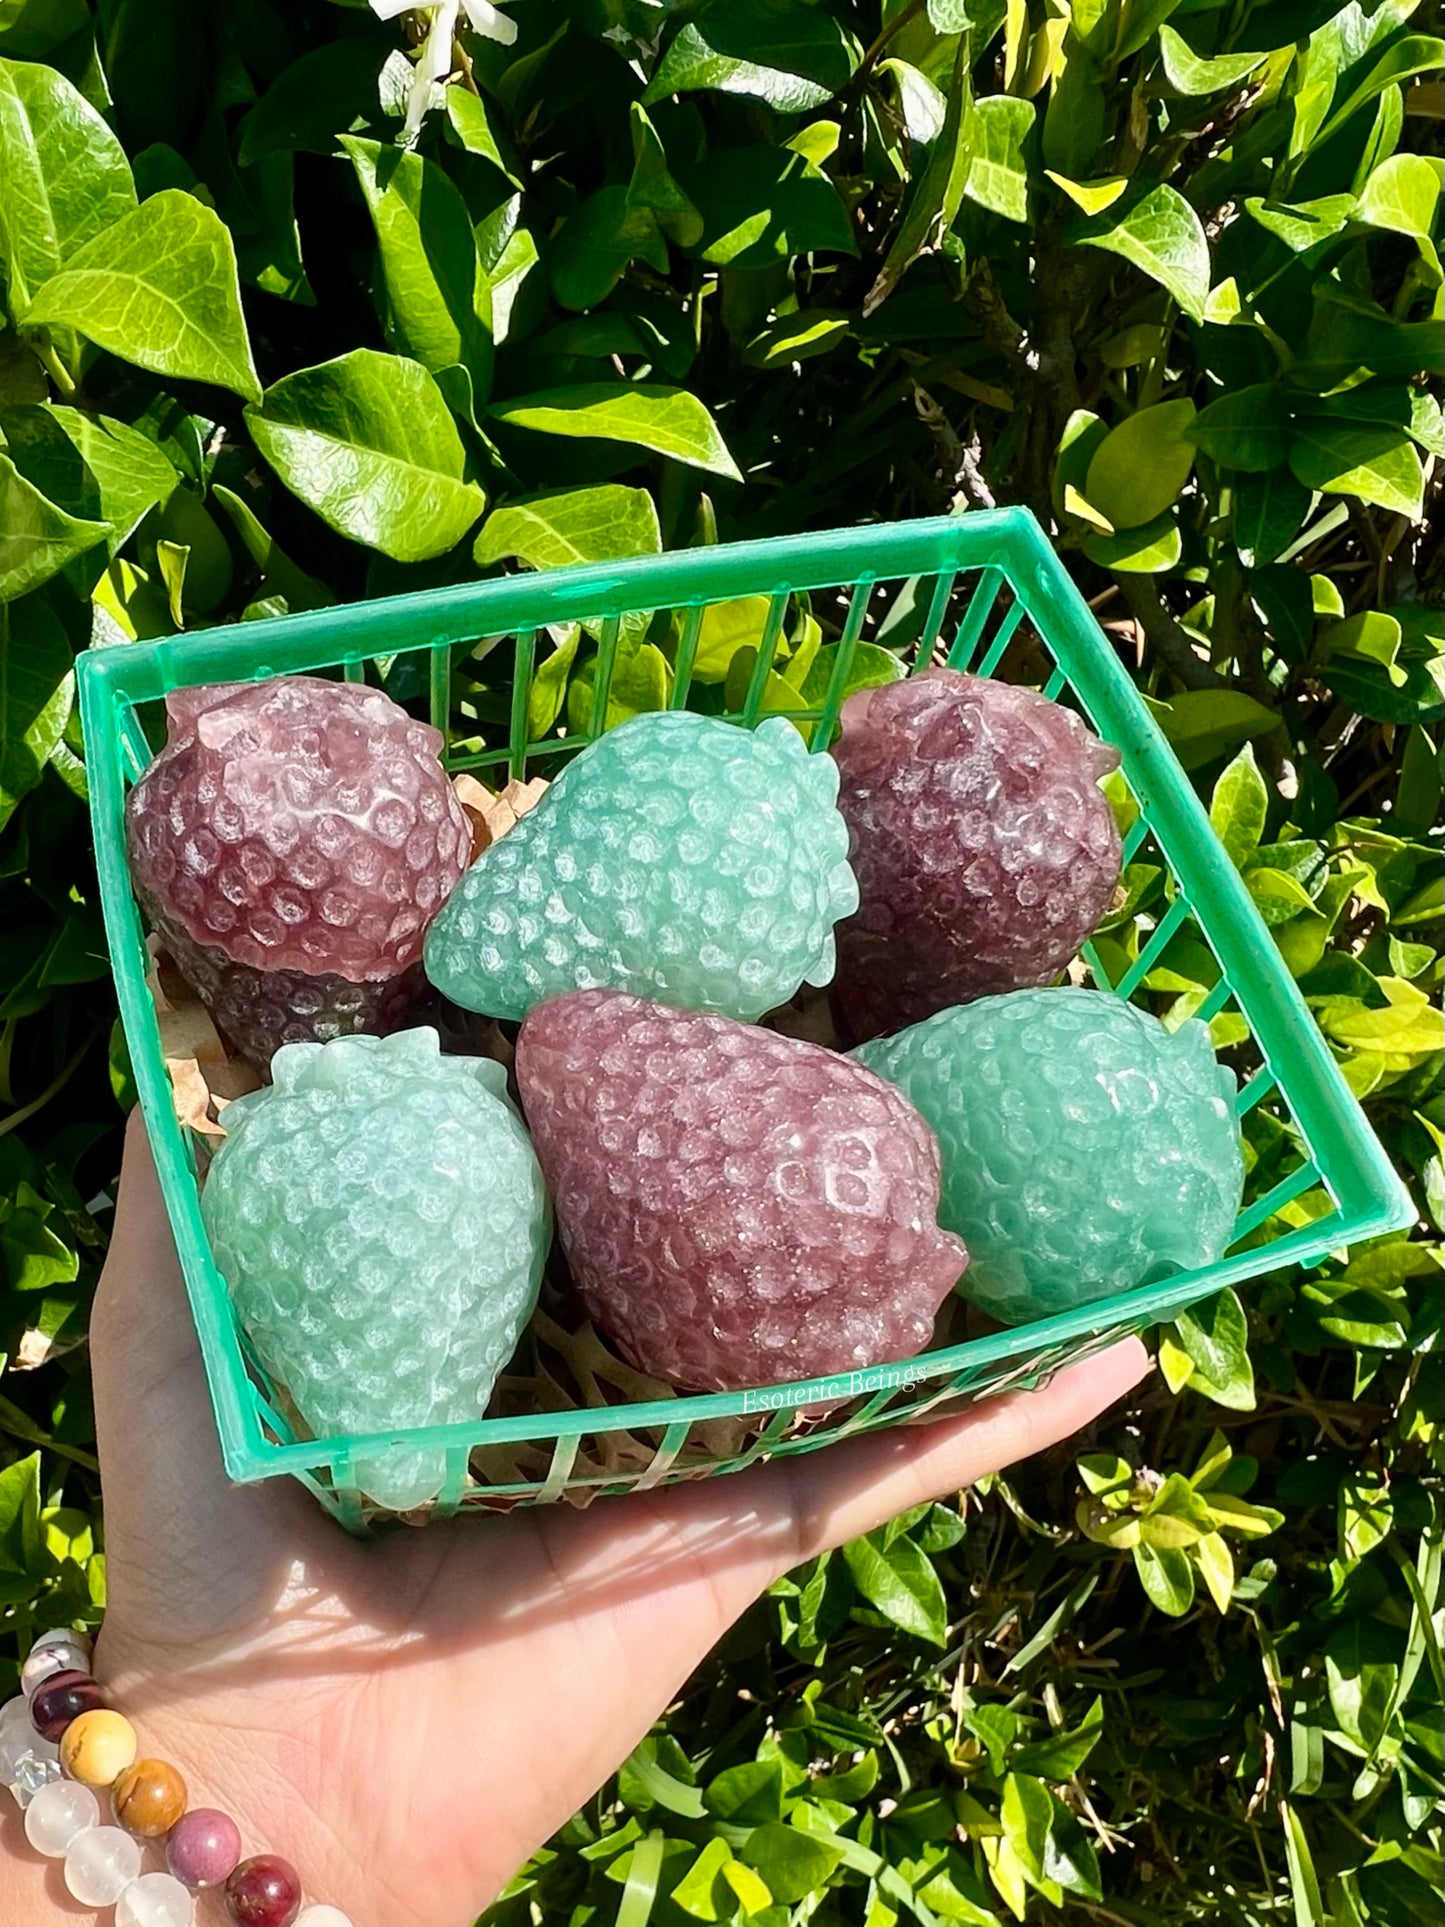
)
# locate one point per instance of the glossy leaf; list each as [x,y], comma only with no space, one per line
[1268,512]
[65,175]
[998,172]
[158,288]
[35,695]
[437,304]
[938,189]
[1147,550]
[761,204]
[1244,429]
[1140,466]
[901,1584]
[95,468]
[571,525]
[1376,463]
[1189,74]
[1159,232]
[793,56]
[1205,723]
[366,441]
[669,421]
[37,539]
[1238,807]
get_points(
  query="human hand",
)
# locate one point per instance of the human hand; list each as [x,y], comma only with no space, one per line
[407,1720]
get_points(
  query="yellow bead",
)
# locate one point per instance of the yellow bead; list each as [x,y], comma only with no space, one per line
[98,1747]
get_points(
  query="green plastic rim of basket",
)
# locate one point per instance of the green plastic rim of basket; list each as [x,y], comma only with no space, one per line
[987,589]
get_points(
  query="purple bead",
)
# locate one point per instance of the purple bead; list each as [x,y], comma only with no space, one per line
[61,1700]
[264,1891]
[203,1847]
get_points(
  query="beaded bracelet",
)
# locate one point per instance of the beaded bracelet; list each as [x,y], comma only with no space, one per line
[62,1749]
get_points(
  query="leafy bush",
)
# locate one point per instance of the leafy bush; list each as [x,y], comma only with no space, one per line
[1164,270]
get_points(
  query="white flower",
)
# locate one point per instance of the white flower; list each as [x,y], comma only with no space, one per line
[434,62]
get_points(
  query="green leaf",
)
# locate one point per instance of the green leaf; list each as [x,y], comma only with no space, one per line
[1268,513]
[1059,1757]
[1376,462]
[596,242]
[1304,1883]
[1091,196]
[35,693]
[1027,1813]
[751,1891]
[571,525]
[1215,1335]
[548,689]
[1141,465]
[1156,546]
[694,1893]
[470,121]
[937,191]
[65,178]
[1167,1576]
[1204,723]
[1244,429]
[367,442]
[667,420]
[330,90]
[726,629]
[89,465]
[762,204]
[998,172]
[279,573]
[792,55]
[870,668]
[1302,226]
[1238,807]
[797,337]
[653,185]
[1408,1026]
[1350,340]
[1415,53]
[22,1552]
[901,1584]
[158,288]
[1193,76]
[1161,234]
[794,1864]
[437,304]
[641,681]
[37,539]
[748,1794]
[1403,194]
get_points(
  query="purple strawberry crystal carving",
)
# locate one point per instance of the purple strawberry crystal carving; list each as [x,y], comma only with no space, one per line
[737,1208]
[984,849]
[289,845]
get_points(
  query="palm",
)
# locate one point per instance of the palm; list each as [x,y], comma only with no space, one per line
[407,1720]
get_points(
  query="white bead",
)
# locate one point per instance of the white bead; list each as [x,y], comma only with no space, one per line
[155,1900]
[56,1814]
[323,1917]
[32,1777]
[20,1742]
[62,1655]
[64,1636]
[100,1865]
[14,1713]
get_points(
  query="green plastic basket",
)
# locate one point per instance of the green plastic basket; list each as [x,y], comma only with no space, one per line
[988,589]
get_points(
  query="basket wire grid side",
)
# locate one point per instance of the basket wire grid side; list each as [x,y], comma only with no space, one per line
[993,580]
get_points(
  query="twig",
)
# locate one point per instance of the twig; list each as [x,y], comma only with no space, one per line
[895,25]
[1169,636]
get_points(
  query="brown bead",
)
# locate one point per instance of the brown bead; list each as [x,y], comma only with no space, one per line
[149,1797]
